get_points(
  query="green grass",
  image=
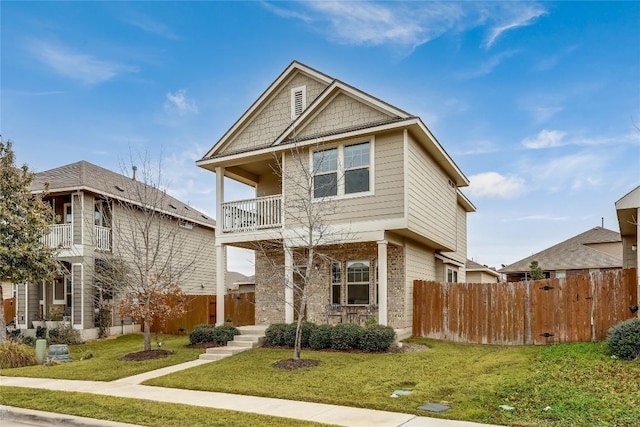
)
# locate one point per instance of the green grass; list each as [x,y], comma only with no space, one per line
[138,411]
[105,366]
[582,385]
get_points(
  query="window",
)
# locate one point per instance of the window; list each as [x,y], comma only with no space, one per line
[343,170]
[336,283]
[325,168]
[452,275]
[59,291]
[561,274]
[68,213]
[358,282]
[356,168]
[101,214]
[298,101]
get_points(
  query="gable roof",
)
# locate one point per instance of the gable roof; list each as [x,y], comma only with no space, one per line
[471,265]
[627,211]
[88,177]
[397,119]
[573,254]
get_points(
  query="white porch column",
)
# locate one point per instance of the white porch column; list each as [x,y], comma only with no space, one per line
[382,282]
[219,199]
[288,284]
[221,268]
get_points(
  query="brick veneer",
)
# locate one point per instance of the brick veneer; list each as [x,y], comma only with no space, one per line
[270,307]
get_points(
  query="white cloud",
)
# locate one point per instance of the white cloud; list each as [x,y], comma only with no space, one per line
[493,184]
[178,103]
[149,25]
[74,65]
[546,139]
[486,67]
[520,16]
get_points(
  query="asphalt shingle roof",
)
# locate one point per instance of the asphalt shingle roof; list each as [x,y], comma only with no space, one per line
[573,254]
[86,176]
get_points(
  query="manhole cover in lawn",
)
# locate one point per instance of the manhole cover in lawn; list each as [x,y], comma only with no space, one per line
[434,407]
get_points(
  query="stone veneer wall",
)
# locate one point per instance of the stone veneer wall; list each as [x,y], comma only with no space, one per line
[270,305]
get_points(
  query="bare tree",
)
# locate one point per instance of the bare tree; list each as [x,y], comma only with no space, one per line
[151,255]
[307,209]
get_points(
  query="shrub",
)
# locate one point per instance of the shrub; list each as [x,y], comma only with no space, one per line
[274,335]
[41,332]
[307,330]
[201,333]
[223,334]
[624,339]
[320,337]
[345,336]
[29,340]
[377,338]
[289,335]
[64,334]
[15,355]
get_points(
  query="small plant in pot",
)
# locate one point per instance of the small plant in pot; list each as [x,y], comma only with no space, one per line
[228,321]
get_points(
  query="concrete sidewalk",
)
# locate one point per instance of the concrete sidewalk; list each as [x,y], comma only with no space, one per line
[320,412]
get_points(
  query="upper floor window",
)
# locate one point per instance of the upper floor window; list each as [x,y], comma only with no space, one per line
[452,275]
[342,170]
[298,101]
[101,214]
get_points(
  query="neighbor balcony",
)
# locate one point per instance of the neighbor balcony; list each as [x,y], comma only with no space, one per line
[60,236]
[252,214]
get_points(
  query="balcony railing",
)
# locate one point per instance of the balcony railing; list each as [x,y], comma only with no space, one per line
[60,236]
[252,214]
[102,238]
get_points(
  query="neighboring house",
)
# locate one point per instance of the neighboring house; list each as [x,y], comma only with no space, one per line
[478,273]
[91,221]
[399,197]
[594,250]
[239,282]
[628,210]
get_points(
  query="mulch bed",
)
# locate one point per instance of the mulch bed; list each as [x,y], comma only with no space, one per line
[145,355]
[291,365]
[205,345]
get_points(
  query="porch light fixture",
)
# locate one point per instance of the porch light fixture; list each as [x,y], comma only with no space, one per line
[634,247]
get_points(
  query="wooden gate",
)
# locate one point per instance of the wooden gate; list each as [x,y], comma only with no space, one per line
[9,309]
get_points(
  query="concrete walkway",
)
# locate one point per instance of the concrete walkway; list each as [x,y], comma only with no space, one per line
[320,412]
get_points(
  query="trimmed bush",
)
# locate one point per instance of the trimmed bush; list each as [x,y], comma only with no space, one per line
[307,330]
[64,334]
[346,336]
[29,340]
[289,334]
[201,334]
[624,339]
[320,337]
[41,332]
[15,355]
[377,338]
[274,335]
[224,333]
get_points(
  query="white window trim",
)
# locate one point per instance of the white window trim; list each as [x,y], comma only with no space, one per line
[453,270]
[341,170]
[64,213]
[338,283]
[302,89]
[347,283]
[55,301]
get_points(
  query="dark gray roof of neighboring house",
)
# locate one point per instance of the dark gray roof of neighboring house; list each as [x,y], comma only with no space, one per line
[86,176]
[573,254]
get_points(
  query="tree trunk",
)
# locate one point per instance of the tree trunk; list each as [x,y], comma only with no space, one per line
[3,325]
[147,334]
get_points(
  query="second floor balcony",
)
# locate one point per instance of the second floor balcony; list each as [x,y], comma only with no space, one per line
[252,214]
[61,237]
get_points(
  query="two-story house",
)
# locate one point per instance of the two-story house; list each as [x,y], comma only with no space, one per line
[397,188]
[93,212]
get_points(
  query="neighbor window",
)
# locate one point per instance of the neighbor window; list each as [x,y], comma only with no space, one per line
[58,290]
[342,170]
[452,275]
[561,274]
[336,283]
[358,282]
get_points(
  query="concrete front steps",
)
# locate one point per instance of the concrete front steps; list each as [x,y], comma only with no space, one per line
[250,337]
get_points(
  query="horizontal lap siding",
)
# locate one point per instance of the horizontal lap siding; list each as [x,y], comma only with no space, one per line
[420,264]
[432,201]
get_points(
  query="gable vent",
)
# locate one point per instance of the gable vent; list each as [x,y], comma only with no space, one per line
[298,101]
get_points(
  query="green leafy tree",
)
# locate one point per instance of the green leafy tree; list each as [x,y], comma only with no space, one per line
[535,271]
[24,220]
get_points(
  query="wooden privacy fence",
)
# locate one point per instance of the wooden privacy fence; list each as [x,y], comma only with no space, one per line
[575,309]
[201,309]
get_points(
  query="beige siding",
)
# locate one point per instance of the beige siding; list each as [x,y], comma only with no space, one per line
[420,265]
[612,248]
[342,112]
[460,254]
[269,185]
[432,201]
[387,202]
[273,119]
[480,277]
[194,250]
[630,258]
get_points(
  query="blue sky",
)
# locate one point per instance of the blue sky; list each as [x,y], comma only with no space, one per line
[538,103]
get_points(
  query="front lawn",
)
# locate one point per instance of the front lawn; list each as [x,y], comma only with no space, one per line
[104,365]
[577,384]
